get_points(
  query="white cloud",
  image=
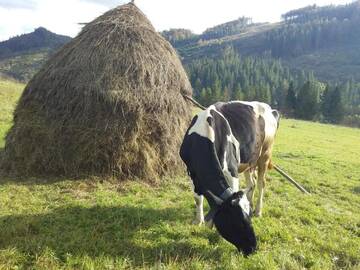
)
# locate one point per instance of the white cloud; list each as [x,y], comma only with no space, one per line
[201,14]
[108,3]
[13,4]
[62,17]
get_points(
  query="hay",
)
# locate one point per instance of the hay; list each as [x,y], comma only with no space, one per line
[108,103]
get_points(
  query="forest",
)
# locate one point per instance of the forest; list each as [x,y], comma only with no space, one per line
[296,94]
[307,65]
[312,28]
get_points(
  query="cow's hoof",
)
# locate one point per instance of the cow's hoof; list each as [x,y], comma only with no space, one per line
[198,222]
[209,224]
[257,214]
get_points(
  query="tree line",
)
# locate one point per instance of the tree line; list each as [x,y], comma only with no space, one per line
[314,12]
[227,29]
[311,28]
[262,78]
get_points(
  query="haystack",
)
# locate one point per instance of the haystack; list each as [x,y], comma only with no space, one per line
[108,103]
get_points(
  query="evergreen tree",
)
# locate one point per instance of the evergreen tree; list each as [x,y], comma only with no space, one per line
[225,95]
[337,105]
[237,94]
[197,84]
[332,106]
[307,103]
[279,95]
[326,103]
[203,98]
[290,99]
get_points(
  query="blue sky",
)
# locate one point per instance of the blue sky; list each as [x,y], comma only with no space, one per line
[62,17]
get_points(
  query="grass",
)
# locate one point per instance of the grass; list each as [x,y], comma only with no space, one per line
[9,94]
[96,224]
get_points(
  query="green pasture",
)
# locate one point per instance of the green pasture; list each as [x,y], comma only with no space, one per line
[101,224]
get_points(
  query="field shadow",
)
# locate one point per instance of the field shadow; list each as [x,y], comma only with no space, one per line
[14,178]
[136,233]
[6,178]
[356,190]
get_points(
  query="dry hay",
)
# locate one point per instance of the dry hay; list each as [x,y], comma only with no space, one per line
[108,103]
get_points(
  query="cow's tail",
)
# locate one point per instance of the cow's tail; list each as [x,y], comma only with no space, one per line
[270,165]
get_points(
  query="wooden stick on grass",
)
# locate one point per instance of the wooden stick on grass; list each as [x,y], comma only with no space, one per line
[290,179]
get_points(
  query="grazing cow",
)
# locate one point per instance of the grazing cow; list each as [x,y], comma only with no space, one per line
[223,140]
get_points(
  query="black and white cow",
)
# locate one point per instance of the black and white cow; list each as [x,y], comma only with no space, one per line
[221,142]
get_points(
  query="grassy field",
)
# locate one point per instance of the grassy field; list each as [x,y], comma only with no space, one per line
[96,224]
[9,94]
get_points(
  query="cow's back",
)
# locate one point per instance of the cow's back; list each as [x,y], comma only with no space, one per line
[248,127]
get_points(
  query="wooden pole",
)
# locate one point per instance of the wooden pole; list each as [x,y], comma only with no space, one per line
[290,179]
[194,102]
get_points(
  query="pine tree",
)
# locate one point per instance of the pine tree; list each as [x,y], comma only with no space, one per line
[326,104]
[237,94]
[337,106]
[280,94]
[307,103]
[225,95]
[216,95]
[290,102]
[197,85]
[203,99]
[332,105]
[209,95]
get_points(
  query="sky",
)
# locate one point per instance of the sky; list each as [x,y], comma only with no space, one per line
[62,16]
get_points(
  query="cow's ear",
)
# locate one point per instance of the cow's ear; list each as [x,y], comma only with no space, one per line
[277,116]
[216,199]
[235,202]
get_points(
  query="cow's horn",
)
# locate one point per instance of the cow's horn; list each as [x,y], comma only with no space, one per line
[217,200]
[247,190]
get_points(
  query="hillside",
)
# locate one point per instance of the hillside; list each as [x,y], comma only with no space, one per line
[40,39]
[325,40]
[288,64]
[97,224]
[240,59]
[22,56]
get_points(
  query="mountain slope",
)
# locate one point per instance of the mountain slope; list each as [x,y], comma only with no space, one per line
[22,56]
[323,39]
[37,40]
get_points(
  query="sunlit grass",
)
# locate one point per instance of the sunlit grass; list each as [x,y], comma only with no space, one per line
[96,224]
[9,94]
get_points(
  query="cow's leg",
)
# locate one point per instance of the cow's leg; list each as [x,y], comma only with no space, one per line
[234,184]
[262,167]
[199,203]
[250,184]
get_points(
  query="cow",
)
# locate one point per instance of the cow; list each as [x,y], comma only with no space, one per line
[222,141]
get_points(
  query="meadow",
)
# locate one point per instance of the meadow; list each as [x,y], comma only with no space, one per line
[102,224]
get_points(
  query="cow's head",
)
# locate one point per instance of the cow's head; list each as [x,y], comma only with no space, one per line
[233,222]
